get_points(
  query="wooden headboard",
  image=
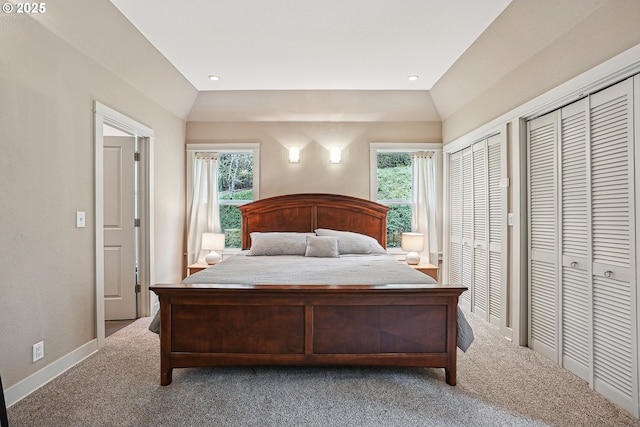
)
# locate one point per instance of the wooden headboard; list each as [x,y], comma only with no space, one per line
[307,212]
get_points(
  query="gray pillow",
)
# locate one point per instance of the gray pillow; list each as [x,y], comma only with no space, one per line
[276,243]
[322,246]
[353,243]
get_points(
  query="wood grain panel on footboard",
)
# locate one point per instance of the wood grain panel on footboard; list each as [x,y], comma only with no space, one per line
[379,329]
[393,325]
[237,329]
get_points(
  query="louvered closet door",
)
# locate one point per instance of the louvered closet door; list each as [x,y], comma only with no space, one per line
[455,210]
[614,290]
[575,232]
[494,173]
[467,227]
[477,222]
[543,288]
[480,224]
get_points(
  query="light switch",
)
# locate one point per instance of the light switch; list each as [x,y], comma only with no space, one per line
[80,219]
[510,218]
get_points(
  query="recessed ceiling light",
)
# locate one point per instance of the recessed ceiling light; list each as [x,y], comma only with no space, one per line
[214,78]
[413,78]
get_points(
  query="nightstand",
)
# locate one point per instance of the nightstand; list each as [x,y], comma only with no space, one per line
[428,269]
[194,268]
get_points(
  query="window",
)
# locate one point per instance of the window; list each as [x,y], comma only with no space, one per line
[393,176]
[235,188]
[391,184]
[237,183]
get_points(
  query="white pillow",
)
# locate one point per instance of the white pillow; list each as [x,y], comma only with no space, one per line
[322,246]
[353,243]
[276,243]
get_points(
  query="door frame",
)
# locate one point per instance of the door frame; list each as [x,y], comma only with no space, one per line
[105,115]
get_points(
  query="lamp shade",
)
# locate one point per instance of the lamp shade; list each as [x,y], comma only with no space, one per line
[212,241]
[412,242]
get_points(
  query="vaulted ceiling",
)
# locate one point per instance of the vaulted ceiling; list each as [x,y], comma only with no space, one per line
[311,60]
[311,52]
[312,45]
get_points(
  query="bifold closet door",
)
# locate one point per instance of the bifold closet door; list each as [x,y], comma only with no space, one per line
[476,225]
[559,237]
[543,280]
[467,227]
[582,240]
[615,358]
[461,237]
[480,231]
[455,222]
[495,149]
[575,231]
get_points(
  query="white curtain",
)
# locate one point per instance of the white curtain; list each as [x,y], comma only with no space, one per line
[204,213]
[423,203]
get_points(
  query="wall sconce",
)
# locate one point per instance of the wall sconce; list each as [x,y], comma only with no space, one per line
[334,155]
[294,154]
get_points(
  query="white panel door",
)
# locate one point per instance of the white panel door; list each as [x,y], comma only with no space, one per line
[543,281]
[613,247]
[575,236]
[119,230]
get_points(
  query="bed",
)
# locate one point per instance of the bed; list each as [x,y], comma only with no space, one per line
[274,308]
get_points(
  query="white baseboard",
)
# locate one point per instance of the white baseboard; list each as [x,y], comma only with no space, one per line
[33,382]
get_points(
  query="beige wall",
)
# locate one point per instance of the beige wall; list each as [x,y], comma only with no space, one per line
[314,173]
[47,268]
[604,33]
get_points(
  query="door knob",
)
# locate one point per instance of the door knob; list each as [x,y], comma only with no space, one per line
[573,264]
[608,273]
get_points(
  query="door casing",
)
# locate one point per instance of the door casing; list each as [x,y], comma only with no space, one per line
[106,115]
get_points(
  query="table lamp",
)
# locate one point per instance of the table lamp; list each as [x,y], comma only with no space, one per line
[413,243]
[213,242]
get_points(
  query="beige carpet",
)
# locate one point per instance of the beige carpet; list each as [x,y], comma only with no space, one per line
[499,384]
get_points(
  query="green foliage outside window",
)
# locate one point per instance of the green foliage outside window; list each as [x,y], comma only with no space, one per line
[398,221]
[235,183]
[235,175]
[231,219]
[394,190]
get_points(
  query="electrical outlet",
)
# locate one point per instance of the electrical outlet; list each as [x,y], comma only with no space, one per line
[38,351]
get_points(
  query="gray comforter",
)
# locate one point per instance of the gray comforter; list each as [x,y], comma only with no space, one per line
[294,269]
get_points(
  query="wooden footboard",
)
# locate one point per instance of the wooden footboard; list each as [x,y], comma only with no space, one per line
[394,325]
